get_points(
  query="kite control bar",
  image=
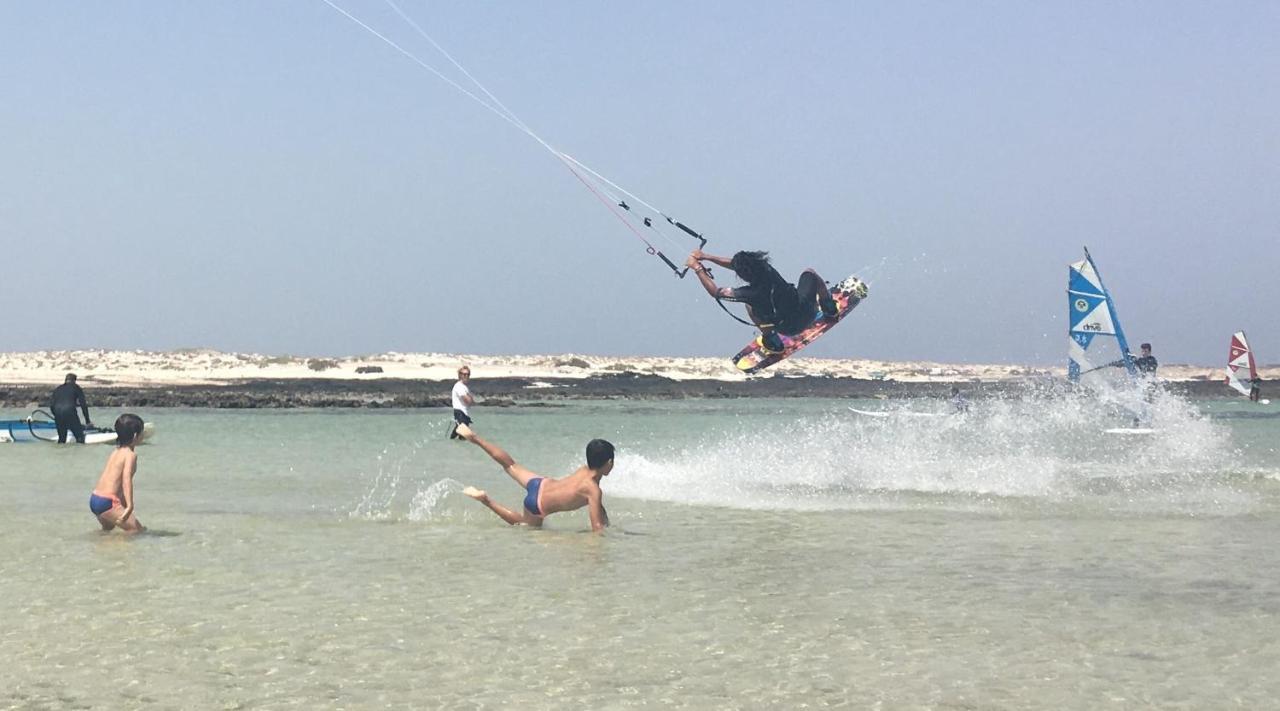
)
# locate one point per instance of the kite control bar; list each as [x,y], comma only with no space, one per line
[677,270]
[702,242]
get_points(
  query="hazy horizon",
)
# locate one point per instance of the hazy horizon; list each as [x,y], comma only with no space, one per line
[271,178]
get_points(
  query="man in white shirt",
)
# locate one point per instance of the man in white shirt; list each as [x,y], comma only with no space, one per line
[462,402]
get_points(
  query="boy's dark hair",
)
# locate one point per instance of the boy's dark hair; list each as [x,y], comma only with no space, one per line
[128,426]
[71,378]
[599,452]
[751,267]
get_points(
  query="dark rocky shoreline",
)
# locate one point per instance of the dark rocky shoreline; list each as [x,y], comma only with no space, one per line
[526,392]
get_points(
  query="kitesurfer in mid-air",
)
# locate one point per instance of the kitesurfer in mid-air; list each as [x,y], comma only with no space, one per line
[773,303]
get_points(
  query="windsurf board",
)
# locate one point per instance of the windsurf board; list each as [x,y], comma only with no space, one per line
[896,413]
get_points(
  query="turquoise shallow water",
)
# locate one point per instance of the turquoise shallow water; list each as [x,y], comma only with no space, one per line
[765,554]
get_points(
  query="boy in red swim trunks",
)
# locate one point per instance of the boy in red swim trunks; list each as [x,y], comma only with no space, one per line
[544,495]
[112,499]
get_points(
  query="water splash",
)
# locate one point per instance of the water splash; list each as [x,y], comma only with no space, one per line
[377,501]
[431,503]
[1030,450]
[403,486]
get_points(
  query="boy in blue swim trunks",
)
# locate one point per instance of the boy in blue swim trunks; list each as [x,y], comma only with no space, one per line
[112,499]
[544,495]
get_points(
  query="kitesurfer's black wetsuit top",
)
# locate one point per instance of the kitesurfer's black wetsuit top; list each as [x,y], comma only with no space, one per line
[774,302]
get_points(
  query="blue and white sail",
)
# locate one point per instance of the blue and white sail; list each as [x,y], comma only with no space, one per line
[1096,339]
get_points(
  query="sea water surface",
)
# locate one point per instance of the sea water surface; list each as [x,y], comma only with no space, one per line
[764,554]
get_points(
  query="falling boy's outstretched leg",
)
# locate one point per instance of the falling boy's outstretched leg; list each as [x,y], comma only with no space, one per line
[497,454]
[520,474]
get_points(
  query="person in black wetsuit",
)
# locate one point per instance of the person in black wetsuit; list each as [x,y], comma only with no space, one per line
[1146,363]
[773,303]
[66,398]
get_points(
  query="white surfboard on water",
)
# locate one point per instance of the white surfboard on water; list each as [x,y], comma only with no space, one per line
[1131,431]
[896,413]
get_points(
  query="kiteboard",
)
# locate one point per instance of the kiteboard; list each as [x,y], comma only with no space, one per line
[1131,431]
[847,295]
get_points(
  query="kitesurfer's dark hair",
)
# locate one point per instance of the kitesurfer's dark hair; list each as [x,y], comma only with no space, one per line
[751,267]
[599,452]
[128,426]
[71,378]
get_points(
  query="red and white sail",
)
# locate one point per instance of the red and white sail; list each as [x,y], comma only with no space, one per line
[1240,364]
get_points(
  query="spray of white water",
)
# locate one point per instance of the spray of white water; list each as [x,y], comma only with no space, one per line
[1043,452]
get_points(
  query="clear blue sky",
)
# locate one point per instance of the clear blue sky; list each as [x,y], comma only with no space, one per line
[267,176]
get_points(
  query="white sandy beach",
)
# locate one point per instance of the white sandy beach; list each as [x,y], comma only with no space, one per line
[209,367]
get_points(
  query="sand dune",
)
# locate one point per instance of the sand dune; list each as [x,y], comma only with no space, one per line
[209,367]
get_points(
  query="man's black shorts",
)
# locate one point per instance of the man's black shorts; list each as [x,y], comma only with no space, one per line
[459,418]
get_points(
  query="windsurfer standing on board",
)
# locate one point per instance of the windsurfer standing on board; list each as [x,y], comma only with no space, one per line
[1146,363]
[773,303]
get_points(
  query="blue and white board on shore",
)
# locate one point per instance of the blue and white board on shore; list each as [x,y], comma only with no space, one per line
[32,429]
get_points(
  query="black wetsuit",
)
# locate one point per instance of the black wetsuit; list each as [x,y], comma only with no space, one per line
[1146,364]
[66,398]
[775,302]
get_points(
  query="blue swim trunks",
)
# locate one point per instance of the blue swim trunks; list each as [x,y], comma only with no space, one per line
[100,504]
[531,498]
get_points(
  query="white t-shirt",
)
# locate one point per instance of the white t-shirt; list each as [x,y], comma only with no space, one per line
[460,390]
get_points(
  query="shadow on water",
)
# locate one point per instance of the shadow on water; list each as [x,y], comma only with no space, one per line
[157,533]
[117,537]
